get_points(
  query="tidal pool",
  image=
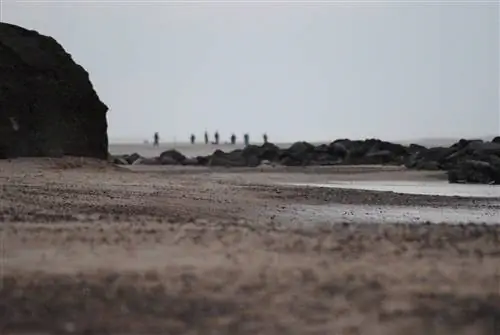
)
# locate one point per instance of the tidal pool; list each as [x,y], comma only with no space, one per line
[366,214]
[339,213]
[411,187]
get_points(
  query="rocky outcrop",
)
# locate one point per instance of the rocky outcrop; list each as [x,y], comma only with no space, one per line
[48,106]
[467,161]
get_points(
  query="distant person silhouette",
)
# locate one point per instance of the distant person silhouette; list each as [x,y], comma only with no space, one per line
[206,137]
[265,137]
[216,137]
[193,138]
[156,139]
[247,139]
[233,139]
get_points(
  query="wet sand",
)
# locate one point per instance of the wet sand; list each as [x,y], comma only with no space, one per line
[90,248]
[415,187]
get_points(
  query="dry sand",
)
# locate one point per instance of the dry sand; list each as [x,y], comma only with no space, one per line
[89,248]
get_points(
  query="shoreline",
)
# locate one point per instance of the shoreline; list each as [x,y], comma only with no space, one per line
[466,161]
[233,253]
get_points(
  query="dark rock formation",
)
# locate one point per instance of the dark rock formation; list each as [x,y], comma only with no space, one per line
[48,106]
[473,171]
[171,157]
[467,161]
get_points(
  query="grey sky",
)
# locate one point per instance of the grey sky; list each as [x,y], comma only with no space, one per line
[316,71]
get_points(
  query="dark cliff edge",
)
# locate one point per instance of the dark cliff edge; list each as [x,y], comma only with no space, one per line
[48,106]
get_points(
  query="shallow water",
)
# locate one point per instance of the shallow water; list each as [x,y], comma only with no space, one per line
[412,187]
[337,213]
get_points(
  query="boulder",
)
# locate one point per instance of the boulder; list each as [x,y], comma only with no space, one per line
[171,157]
[148,161]
[119,160]
[192,161]
[236,158]
[323,159]
[472,171]
[203,160]
[251,154]
[437,154]
[270,152]
[227,160]
[428,166]
[484,148]
[48,104]
[299,153]
[415,148]
[396,150]
[379,157]
[290,161]
[300,148]
[131,159]
[337,150]
[463,143]
[371,151]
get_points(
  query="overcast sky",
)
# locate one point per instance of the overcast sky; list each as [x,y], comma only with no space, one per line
[313,71]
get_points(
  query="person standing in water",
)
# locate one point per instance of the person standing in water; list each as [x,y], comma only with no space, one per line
[265,138]
[206,137]
[193,138]
[233,139]
[216,137]
[156,139]
[247,139]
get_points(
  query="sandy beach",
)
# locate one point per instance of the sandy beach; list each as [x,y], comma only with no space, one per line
[390,225]
[91,248]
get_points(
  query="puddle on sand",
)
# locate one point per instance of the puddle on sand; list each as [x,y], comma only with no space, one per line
[337,213]
[407,187]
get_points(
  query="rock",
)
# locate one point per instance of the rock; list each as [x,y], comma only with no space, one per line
[484,148]
[337,150]
[131,159]
[496,139]
[171,157]
[148,161]
[437,154]
[494,160]
[298,154]
[463,143]
[321,149]
[49,106]
[290,161]
[119,160]
[379,157]
[428,166]
[203,160]
[324,159]
[270,152]
[266,163]
[373,151]
[190,161]
[415,148]
[466,161]
[227,160]
[167,160]
[300,148]
[251,155]
[471,171]
[396,150]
